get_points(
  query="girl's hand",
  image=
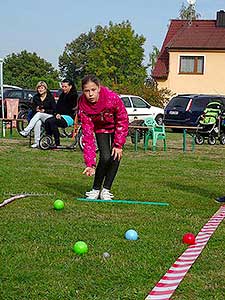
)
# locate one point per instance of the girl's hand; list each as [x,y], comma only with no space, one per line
[117,153]
[89,171]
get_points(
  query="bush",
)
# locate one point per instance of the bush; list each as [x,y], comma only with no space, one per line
[153,95]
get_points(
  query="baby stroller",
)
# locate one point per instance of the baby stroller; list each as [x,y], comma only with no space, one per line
[211,125]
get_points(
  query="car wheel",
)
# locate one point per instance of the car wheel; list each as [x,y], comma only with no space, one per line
[159,119]
[222,139]
[199,139]
[211,140]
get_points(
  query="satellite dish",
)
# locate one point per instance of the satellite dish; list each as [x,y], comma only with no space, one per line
[191,2]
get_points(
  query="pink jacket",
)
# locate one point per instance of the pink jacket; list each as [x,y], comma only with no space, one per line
[105,116]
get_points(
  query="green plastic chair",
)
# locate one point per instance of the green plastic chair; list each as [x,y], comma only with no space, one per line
[155,132]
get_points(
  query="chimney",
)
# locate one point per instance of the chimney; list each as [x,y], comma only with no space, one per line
[220,18]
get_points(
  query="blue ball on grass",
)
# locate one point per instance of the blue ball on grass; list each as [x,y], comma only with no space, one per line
[131,235]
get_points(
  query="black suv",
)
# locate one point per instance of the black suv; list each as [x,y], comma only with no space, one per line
[185,109]
[25,96]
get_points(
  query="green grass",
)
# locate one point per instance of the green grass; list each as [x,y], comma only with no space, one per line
[37,261]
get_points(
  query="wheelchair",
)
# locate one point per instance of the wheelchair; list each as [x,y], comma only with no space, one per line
[47,142]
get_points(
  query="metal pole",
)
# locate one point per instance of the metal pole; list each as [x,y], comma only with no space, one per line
[1,85]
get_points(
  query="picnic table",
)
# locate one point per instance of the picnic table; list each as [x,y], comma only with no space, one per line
[191,130]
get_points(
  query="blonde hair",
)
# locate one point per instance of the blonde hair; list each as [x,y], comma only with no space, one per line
[41,83]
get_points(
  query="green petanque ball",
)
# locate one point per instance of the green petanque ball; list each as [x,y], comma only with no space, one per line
[58,204]
[80,248]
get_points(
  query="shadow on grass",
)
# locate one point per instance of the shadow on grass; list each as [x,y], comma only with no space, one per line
[73,189]
[192,189]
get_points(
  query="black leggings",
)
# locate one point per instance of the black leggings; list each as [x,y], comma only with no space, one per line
[51,127]
[107,167]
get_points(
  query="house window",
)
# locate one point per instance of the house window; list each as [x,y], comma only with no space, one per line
[191,64]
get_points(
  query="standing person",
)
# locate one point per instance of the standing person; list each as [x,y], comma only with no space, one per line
[44,107]
[65,110]
[102,112]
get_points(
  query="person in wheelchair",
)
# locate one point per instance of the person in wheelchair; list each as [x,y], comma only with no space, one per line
[43,107]
[65,111]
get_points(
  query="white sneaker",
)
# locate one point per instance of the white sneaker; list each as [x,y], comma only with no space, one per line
[34,145]
[24,133]
[106,195]
[93,194]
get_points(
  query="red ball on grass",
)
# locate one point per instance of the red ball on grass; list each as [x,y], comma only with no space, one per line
[189,238]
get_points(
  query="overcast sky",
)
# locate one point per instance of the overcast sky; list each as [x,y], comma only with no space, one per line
[46,26]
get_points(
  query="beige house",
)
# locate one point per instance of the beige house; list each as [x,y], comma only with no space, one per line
[192,58]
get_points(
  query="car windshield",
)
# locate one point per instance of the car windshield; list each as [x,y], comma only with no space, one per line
[178,102]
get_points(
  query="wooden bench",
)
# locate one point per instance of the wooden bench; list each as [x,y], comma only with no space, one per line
[5,121]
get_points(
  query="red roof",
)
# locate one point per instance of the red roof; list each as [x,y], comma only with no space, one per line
[185,35]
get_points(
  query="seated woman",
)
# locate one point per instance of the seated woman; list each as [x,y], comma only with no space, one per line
[44,107]
[65,110]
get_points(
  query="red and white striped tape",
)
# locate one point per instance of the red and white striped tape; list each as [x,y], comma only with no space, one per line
[170,281]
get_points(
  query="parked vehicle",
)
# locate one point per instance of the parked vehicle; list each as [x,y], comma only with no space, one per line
[7,87]
[56,94]
[24,95]
[185,110]
[24,113]
[138,108]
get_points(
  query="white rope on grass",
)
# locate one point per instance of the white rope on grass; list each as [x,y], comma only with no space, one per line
[19,196]
[7,201]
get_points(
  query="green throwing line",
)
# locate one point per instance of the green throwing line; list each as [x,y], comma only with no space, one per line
[124,201]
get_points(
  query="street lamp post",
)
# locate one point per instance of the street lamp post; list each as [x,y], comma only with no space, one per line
[1,86]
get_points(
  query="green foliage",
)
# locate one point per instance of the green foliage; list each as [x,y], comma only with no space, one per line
[114,53]
[188,12]
[150,93]
[153,56]
[74,58]
[26,69]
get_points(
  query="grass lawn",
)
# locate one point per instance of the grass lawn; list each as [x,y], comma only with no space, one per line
[37,260]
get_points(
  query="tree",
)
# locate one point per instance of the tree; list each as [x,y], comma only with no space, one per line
[153,56]
[26,69]
[114,53]
[188,12]
[73,61]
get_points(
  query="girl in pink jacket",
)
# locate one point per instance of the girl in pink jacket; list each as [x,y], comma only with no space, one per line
[103,114]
